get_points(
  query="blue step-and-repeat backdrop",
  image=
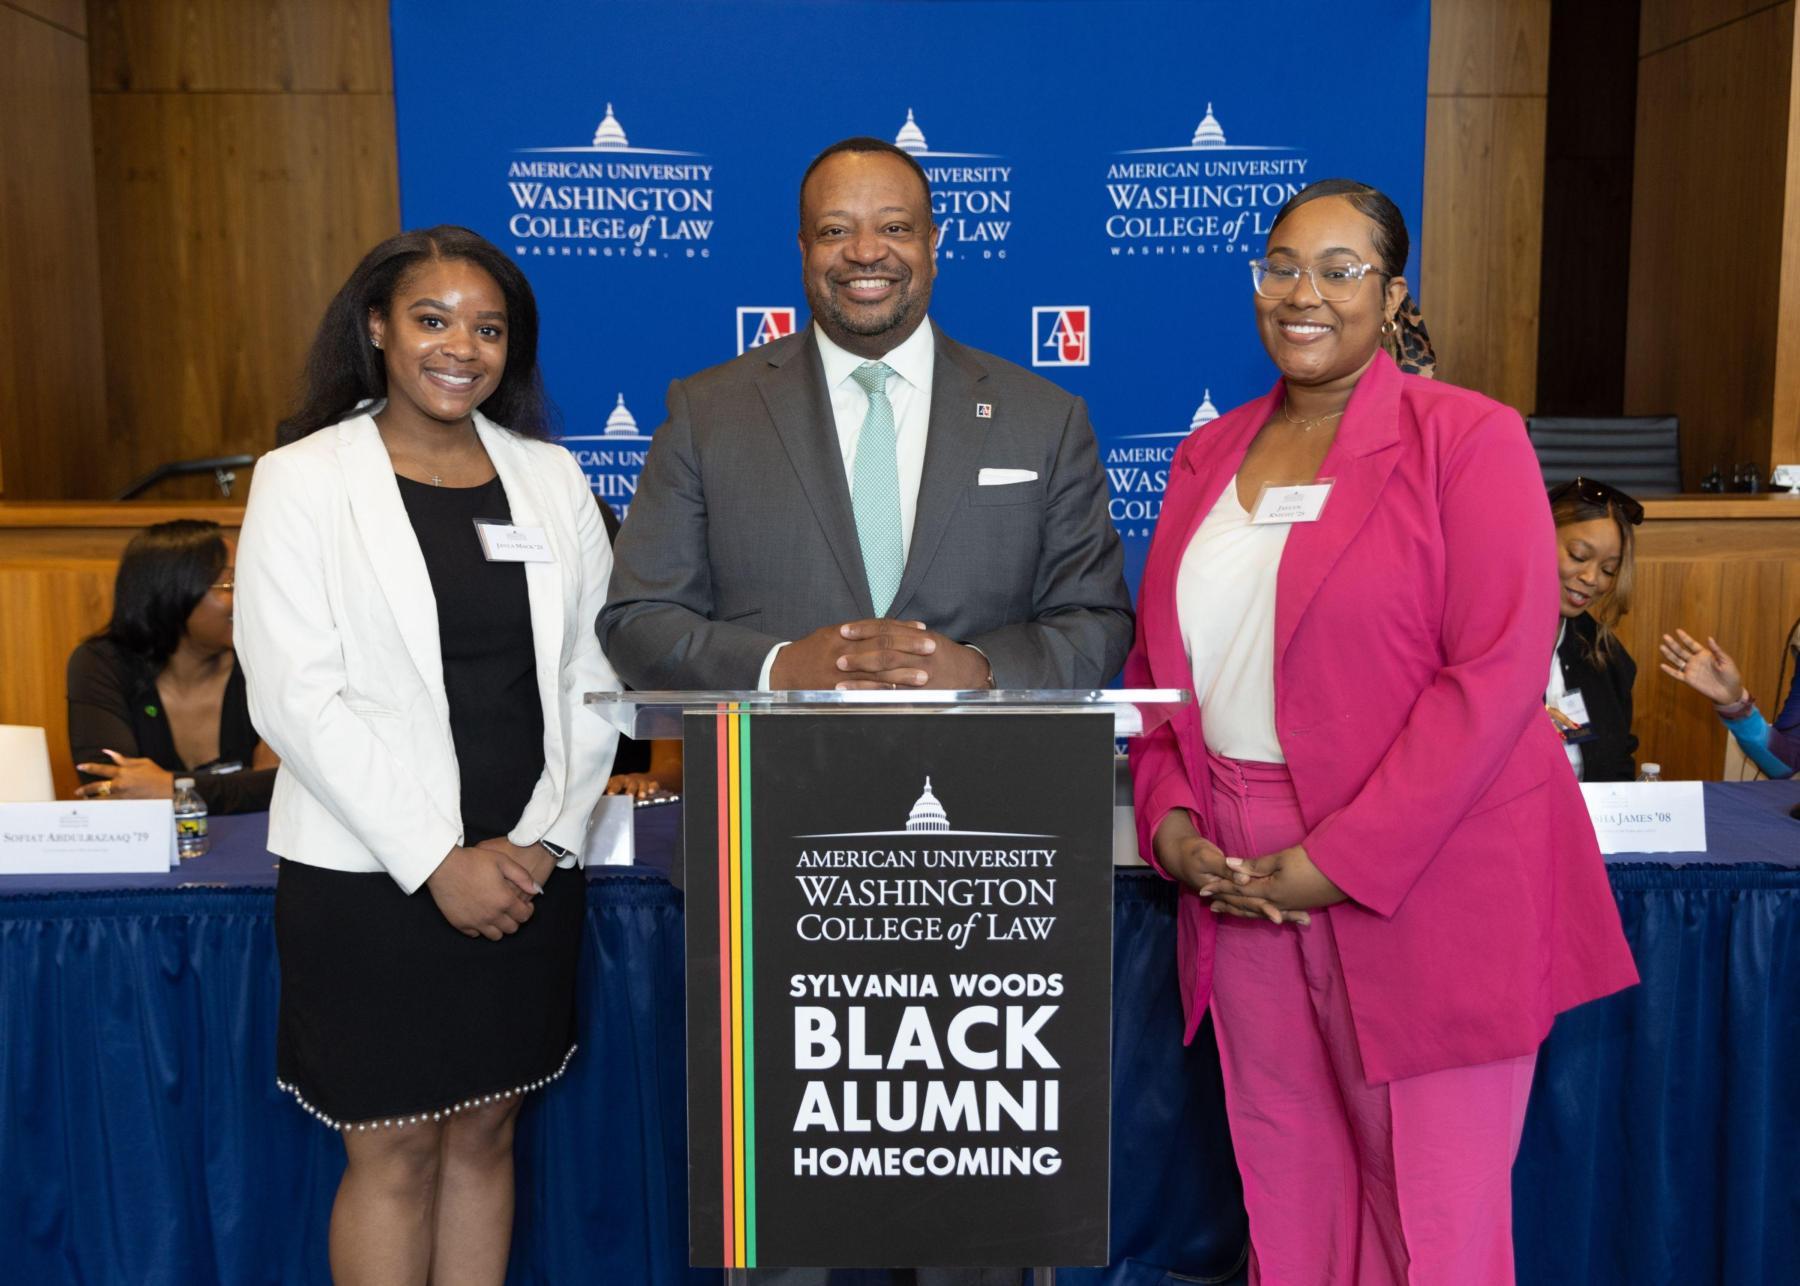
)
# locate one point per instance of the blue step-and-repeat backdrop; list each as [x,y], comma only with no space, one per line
[1102,172]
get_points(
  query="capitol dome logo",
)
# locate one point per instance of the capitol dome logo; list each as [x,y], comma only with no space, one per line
[613,458]
[1137,471]
[609,199]
[927,818]
[971,204]
[1206,196]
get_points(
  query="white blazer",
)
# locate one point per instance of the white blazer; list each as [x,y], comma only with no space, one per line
[337,631]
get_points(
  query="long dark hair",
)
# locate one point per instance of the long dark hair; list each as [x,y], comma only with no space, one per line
[164,573]
[343,368]
[1391,240]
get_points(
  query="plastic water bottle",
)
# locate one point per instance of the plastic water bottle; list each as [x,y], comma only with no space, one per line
[1649,772]
[190,820]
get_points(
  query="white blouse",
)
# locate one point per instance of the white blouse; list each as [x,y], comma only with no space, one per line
[1556,688]
[1225,603]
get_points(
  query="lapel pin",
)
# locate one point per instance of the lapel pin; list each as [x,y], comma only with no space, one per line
[984,411]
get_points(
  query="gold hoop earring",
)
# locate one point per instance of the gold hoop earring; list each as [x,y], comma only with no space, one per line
[1388,327]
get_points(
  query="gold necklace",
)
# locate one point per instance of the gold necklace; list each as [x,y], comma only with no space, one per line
[1306,426]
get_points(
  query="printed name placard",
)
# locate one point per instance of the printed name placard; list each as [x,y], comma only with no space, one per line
[87,837]
[1647,816]
[899,943]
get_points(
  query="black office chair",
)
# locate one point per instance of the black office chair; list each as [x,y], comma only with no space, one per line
[1638,454]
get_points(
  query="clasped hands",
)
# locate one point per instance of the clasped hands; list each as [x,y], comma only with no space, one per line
[485,891]
[1281,887]
[879,654]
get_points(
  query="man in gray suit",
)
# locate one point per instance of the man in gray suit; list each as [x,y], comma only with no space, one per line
[868,503]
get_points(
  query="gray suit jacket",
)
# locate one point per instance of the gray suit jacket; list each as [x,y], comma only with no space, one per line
[741,535]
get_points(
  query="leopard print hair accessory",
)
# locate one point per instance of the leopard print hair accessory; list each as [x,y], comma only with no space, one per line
[1410,344]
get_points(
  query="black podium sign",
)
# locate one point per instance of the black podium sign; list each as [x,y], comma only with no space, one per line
[899,952]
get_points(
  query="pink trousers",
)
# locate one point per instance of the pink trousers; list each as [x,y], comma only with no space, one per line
[1409,1182]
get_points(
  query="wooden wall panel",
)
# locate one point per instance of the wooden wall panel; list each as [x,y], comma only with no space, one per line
[70,15]
[52,413]
[227,223]
[1784,430]
[1735,576]
[1663,23]
[1480,244]
[1711,153]
[270,46]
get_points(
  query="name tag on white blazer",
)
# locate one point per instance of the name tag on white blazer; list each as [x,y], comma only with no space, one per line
[1290,504]
[505,542]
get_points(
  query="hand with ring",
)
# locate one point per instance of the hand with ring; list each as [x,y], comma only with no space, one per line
[126,778]
[1707,670]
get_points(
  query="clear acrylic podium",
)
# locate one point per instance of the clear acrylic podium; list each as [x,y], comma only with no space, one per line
[1010,801]
[648,715]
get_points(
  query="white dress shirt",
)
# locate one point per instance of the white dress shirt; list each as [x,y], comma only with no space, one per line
[1225,602]
[909,393]
[1556,689]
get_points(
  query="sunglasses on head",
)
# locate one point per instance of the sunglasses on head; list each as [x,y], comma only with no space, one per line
[1599,493]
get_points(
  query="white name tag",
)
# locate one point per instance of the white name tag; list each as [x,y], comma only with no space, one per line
[1290,504]
[87,837]
[503,542]
[1647,816]
[1573,706]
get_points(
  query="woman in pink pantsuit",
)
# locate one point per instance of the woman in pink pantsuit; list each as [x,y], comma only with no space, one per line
[1390,885]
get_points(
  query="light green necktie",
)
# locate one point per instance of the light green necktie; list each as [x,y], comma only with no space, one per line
[875,489]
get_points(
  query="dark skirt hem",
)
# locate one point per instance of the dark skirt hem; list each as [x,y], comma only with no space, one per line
[429,1113]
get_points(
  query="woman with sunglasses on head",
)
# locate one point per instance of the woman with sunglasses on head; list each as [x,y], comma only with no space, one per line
[1591,674]
[158,693]
[418,578]
[1390,884]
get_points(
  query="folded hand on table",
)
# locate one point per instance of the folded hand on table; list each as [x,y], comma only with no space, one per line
[126,778]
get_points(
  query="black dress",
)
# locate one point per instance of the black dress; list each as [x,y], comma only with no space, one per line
[114,705]
[1606,691]
[388,1014]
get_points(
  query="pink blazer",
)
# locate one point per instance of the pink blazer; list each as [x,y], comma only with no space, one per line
[1414,624]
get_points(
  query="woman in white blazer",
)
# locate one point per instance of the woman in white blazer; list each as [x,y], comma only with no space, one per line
[416,591]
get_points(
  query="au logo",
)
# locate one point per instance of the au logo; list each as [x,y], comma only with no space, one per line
[757,326]
[1061,335]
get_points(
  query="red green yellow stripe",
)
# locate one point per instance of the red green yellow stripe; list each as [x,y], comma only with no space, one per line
[737,985]
[726,1012]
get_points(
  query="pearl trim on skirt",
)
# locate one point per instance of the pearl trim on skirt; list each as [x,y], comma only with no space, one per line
[439,1114]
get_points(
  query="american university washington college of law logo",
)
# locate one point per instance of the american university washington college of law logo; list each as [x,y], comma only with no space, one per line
[759,324]
[971,196]
[1061,335]
[610,200]
[1137,471]
[1207,196]
[612,458]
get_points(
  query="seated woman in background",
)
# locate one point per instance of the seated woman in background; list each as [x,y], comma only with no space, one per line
[158,693]
[1774,748]
[1591,673]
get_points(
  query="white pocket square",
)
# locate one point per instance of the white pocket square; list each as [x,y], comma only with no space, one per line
[1001,477]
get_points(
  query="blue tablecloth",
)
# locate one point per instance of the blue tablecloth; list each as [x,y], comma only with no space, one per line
[142,1139]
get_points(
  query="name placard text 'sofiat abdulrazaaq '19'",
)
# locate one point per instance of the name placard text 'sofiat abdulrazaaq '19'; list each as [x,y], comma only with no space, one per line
[87,837]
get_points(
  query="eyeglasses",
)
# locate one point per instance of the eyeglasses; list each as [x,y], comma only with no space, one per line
[1334,281]
[224,585]
[1601,495]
